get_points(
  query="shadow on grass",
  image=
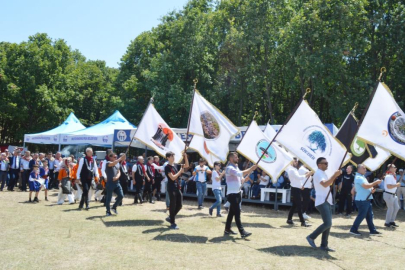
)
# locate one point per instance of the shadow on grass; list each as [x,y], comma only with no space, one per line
[181,238]
[157,230]
[132,223]
[297,251]
[256,225]
[159,210]
[224,238]
[193,215]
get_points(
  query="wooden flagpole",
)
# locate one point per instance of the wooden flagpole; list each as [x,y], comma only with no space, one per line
[189,116]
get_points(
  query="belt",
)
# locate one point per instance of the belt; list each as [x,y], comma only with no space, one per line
[3,171]
[389,193]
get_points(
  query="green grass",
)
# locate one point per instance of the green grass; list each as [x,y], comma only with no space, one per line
[49,236]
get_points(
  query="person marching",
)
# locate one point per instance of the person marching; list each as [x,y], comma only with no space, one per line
[150,173]
[113,185]
[216,188]
[305,190]
[297,181]
[390,196]
[57,164]
[323,203]
[65,177]
[124,178]
[34,185]
[77,189]
[345,187]
[157,185]
[173,188]
[363,198]
[15,165]
[138,179]
[234,178]
[44,174]
[25,170]
[86,173]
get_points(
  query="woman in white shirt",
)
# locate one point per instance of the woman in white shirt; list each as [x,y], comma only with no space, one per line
[297,181]
[390,197]
[216,188]
[264,181]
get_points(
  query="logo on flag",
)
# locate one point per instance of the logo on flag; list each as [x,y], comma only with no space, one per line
[358,147]
[163,136]
[269,155]
[316,140]
[396,127]
[210,126]
[121,136]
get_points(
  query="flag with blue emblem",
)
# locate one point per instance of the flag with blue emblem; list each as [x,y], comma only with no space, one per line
[255,145]
[384,123]
[306,137]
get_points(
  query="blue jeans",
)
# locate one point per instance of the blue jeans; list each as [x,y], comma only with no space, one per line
[256,190]
[113,188]
[325,210]
[218,197]
[365,211]
[201,188]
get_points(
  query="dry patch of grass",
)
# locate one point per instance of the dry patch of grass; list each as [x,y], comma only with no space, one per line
[49,236]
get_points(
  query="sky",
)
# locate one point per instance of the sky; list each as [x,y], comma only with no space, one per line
[99,29]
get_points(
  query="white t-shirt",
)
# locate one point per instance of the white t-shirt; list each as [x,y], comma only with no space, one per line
[264,180]
[215,183]
[303,171]
[390,180]
[201,176]
[321,191]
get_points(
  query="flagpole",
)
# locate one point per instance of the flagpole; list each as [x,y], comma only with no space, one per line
[254,117]
[383,70]
[143,116]
[189,116]
[286,121]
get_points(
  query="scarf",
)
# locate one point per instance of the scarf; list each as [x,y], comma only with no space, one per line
[89,159]
[152,168]
[143,167]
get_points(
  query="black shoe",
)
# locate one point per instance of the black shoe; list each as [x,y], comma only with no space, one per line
[219,215]
[311,242]
[46,199]
[375,233]
[30,200]
[229,232]
[200,207]
[87,208]
[394,225]
[304,224]
[245,234]
[388,225]
[168,219]
[210,211]
[108,214]
[36,199]
[356,233]
[289,221]
[114,210]
[327,249]
[80,208]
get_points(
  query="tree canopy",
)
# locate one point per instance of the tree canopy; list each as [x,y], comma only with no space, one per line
[248,55]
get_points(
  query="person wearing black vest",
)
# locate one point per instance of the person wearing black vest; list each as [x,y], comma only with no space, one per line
[138,178]
[124,178]
[157,181]
[149,180]
[15,165]
[173,188]
[113,185]
[86,173]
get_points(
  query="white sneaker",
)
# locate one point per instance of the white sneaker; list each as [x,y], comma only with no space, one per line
[306,216]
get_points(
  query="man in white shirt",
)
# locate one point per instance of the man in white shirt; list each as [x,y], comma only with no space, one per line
[57,165]
[390,188]
[323,203]
[200,173]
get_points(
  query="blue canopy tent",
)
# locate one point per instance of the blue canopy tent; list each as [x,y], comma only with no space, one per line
[100,134]
[53,136]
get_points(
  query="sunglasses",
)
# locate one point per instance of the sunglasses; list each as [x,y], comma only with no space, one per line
[325,163]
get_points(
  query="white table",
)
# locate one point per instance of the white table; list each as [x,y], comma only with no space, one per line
[265,194]
[222,189]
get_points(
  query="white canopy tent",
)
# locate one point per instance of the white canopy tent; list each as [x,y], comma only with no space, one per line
[100,134]
[53,136]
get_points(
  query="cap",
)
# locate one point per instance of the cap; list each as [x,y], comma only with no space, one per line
[401,170]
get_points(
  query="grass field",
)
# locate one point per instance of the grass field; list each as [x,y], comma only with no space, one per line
[49,236]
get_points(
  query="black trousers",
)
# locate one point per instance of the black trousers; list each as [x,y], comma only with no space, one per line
[234,200]
[157,185]
[14,176]
[297,205]
[25,179]
[52,181]
[176,203]
[306,199]
[124,185]
[85,196]
[56,174]
[345,198]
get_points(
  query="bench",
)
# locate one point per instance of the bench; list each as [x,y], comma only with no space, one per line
[265,194]
[223,187]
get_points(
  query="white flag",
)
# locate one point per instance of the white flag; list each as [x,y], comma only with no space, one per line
[198,144]
[375,163]
[156,134]
[253,146]
[384,123]
[209,123]
[308,139]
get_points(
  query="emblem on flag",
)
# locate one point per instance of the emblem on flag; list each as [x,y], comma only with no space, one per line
[316,140]
[210,126]
[358,147]
[269,155]
[396,127]
[163,136]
